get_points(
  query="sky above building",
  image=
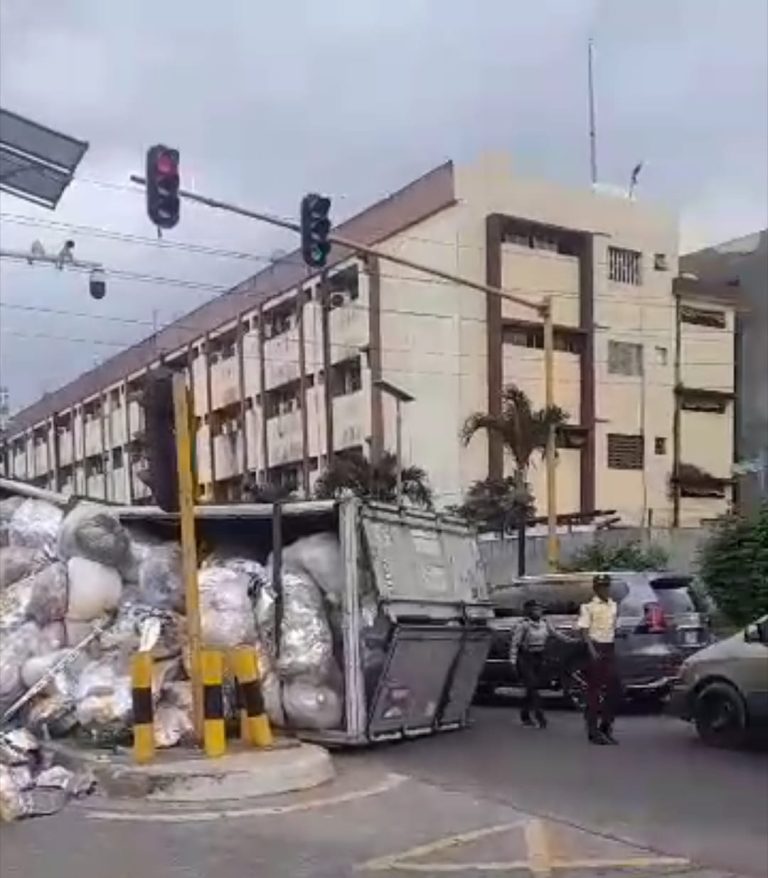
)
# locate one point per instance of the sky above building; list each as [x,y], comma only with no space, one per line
[352,98]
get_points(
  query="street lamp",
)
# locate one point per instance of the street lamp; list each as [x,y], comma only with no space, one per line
[399,396]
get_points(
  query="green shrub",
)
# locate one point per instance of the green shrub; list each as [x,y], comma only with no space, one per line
[604,555]
[733,565]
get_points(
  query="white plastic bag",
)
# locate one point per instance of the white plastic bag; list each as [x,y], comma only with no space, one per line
[226,616]
[35,524]
[94,589]
[161,582]
[173,726]
[309,706]
[104,696]
[306,647]
[93,531]
[16,646]
[319,557]
[49,599]
[18,562]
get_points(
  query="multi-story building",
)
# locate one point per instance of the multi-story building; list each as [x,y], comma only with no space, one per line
[744,263]
[285,367]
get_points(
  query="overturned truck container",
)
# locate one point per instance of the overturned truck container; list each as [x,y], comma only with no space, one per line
[409,612]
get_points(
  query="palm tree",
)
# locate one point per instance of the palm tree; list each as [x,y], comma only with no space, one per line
[352,471]
[524,431]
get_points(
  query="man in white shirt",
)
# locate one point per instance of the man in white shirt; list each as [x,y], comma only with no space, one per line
[597,623]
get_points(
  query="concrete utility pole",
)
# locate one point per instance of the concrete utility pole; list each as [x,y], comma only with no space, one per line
[399,396]
[542,308]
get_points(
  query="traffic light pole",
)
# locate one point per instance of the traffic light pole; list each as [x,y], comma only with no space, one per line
[188,543]
[543,309]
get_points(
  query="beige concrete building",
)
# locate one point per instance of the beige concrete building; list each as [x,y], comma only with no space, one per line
[283,367]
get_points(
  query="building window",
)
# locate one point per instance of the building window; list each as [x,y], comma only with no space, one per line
[533,337]
[662,355]
[660,262]
[703,402]
[282,400]
[624,266]
[117,458]
[702,317]
[660,445]
[625,451]
[279,320]
[625,358]
[346,377]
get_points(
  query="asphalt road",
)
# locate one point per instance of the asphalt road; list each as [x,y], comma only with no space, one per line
[478,802]
[660,786]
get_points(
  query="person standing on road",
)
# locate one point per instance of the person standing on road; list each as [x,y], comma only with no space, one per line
[528,648]
[597,623]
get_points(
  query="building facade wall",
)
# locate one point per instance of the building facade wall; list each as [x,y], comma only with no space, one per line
[282,381]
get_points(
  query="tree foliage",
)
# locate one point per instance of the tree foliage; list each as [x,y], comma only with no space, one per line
[523,429]
[495,504]
[267,492]
[352,471]
[733,565]
[601,554]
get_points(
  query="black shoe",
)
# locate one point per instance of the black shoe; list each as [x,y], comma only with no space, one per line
[598,738]
[541,720]
[607,733]
[525,719]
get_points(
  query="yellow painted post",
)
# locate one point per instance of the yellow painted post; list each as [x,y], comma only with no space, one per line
[254,722]
[187,493]
[553,547]
[214,730]
[143,714]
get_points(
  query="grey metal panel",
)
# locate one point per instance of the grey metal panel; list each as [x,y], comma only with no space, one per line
[29,179]
[413,682]
[466,673]
[421,556]
[37,140]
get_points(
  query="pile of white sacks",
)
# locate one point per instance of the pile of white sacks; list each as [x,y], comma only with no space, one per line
[63,575]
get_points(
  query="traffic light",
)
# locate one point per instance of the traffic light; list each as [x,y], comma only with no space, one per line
[315,227]
[160,439]
[163,203]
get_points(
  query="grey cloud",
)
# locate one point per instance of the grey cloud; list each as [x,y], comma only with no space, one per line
[269,100]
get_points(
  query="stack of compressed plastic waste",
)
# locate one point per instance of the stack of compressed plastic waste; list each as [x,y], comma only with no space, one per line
[78,588]
[30,784]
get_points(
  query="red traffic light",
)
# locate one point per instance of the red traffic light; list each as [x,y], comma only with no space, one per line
[163,203]
[166,164]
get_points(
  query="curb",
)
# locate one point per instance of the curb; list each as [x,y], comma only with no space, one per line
[193,778]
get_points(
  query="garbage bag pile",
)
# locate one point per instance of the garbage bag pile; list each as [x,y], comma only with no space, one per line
[78,589]
[30,784]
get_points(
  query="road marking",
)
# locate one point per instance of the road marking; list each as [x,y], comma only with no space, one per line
[537,847]
[390,782]
[395,861]
[539,862]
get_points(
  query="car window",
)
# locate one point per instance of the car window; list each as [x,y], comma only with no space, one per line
[676,600]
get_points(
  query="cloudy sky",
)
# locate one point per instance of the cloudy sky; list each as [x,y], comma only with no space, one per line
[354,98]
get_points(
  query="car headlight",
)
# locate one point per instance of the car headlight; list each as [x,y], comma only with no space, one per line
[687,673]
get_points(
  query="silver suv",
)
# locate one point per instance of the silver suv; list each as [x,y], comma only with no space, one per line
[723,689]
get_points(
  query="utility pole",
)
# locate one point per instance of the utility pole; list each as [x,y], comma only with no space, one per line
[543,309]
[400,396]
[592,122]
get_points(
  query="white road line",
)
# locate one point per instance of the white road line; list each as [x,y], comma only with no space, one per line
[390,782]
[537,844]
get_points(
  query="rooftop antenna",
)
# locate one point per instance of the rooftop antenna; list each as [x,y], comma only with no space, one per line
[592,124]
[633,180]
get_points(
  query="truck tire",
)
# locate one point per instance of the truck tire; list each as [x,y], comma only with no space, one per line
[720,716]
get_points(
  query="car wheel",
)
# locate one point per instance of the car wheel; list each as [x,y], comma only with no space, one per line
[719,716]
[574,685]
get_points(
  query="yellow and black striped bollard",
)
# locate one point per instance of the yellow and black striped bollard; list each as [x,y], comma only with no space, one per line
[143,712]
[214,731]
[254,723]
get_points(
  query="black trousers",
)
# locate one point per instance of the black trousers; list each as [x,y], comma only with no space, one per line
[602,688]
[529,666]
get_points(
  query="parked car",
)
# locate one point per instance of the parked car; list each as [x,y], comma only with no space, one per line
[688,620]
[723,689]
[647,660]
